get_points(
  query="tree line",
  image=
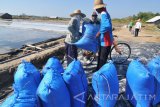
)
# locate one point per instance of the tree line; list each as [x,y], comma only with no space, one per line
[144,16]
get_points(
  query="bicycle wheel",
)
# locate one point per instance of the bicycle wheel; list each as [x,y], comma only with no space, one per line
[122,57]
[86,57]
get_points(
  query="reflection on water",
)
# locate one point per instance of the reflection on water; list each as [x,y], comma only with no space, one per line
[15,34]
[44,26]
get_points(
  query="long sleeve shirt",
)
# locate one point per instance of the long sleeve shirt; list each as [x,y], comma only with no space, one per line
[73,28]
[106,37]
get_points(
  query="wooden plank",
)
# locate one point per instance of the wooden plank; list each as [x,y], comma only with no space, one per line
[34,47]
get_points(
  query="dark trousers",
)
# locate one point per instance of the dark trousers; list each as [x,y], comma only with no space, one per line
[103,56]
[71,52]
[136,32]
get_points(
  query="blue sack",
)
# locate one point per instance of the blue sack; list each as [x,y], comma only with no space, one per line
[140,85]
[53,63]
[26,81]
[10,101]
[16,100]
[88,41]
[27,78]
[154,68]
[52,90]
[91,29]
[105,86]
[76,81]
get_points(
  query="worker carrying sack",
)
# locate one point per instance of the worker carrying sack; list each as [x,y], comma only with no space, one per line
[105,86]
[89,41]
[52,90]
[26,81]
[140,85]
[76,81]
[154,69]
[53,63]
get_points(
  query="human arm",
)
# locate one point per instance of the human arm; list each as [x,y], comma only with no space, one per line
[140,26]
[105,23]
[115,43]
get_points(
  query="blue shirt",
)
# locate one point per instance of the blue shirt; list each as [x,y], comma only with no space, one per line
[106,37]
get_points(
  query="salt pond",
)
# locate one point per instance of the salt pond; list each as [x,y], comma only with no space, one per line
[14,34]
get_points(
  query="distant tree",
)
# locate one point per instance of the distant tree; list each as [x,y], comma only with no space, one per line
[144,16]
[157,14]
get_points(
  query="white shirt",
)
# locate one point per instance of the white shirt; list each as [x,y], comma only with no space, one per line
[138,25]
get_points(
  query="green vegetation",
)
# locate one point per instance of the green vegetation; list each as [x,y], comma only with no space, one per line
[123,21]
[144,16]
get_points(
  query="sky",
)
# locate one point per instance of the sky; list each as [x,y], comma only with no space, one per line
[63,8]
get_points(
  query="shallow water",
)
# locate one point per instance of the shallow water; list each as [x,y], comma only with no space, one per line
[14,34]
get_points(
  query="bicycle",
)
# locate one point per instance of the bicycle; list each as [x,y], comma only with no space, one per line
[119,54]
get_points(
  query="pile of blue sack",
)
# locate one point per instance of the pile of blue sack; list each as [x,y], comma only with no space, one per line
[143,83]
[57,87]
